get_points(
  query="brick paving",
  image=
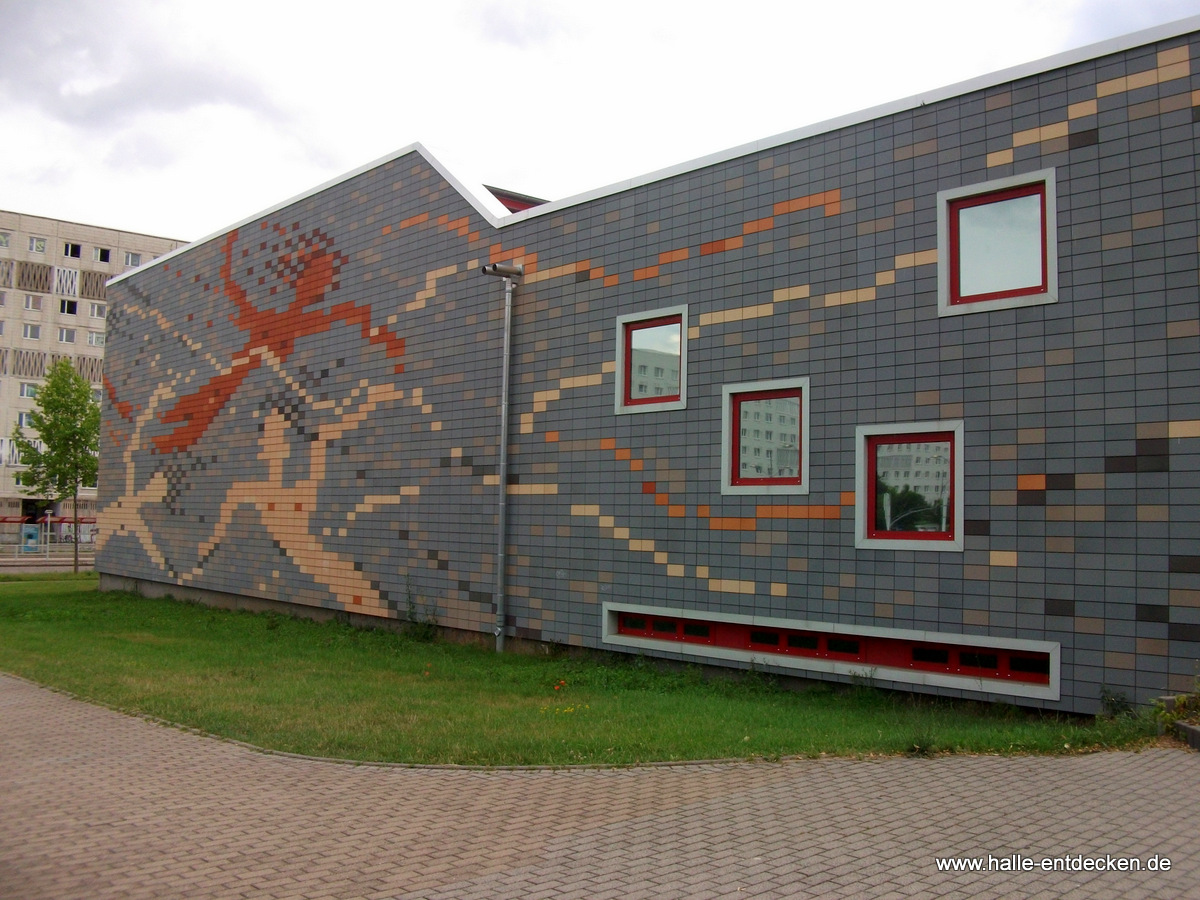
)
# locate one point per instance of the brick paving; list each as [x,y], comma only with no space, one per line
[95,804]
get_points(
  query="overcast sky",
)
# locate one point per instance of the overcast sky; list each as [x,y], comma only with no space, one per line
[181,118]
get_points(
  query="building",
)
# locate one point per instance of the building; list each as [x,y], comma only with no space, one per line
[53,303]
[912,396]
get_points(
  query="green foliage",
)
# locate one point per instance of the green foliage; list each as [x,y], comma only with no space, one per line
[67,421]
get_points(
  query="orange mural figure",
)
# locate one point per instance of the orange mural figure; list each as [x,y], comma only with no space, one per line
[309,266]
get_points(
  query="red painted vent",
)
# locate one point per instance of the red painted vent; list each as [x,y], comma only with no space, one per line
[997,663]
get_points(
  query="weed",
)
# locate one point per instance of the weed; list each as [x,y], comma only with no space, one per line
[1114,704]
[419,624]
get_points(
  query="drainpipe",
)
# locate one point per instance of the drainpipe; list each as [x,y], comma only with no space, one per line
[509,274]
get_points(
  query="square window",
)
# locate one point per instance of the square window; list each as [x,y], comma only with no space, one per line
[997,244]
[132,260]
[25,420]
[764,461]
[68,307]
[99,311]
[74,251]
[100,254]
[4,238]
[66,335]
[95,338]
[28,390]
[37,245]
[652,361]
[898,507]
[33,303]
[31,332]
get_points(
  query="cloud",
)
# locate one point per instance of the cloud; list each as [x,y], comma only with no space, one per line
[98,66]
[521,24]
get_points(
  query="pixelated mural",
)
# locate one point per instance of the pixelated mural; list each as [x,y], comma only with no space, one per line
[305,409]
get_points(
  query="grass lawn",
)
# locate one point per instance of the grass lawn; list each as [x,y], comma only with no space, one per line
[332,690]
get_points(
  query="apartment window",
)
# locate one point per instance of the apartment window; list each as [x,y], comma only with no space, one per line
[4,239]
[3,299]
[66,335]
[652,361]
[31,332]
[898,506]
[68,307]
[95,338]
[24,419]
[74,251]
[37,245]
[132,260]
[101,254]
[997,245]
[33,303]
[764,461]
[28,390]
[99,311]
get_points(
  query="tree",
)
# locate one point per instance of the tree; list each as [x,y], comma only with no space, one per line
[67,422]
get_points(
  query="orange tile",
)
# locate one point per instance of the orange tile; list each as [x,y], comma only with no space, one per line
[732,523]
[662,500]
[611,280]
[623,453]
[671,256]
[759,225]
[1031,482]
[636,465]
[712,247]
[677,511]
[643,274]
[551,437]
[608,443]
[847,498]
[702,512]
[649,487]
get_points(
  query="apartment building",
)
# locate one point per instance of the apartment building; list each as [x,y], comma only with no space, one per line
[53,304]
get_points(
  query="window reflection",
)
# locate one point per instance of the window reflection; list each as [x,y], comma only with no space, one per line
[772,455]
[1000,244]
[653,358]
[912,486]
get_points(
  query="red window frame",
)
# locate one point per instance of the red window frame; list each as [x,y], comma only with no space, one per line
[628,398]
[735,449]
[957,298]
[916,437]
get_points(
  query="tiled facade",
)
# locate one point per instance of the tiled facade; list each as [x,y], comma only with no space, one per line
[305,409]
[53,303]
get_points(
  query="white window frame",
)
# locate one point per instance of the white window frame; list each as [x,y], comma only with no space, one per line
[864,492]
[95,339]
[101,254]
[132,260]
[731,432]
[99,310]
[66,335]
[623,323]
[32,331]
[947,306]
[29,390]
[33,302]
[37,244]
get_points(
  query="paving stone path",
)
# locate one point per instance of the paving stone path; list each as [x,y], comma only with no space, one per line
[95,804]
